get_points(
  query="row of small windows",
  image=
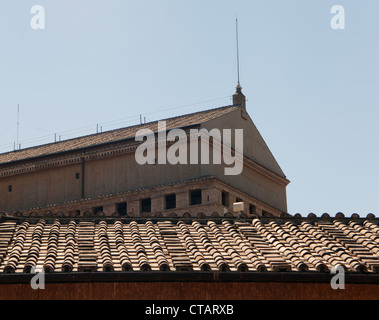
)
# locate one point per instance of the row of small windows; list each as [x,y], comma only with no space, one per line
[195,198]
[170,202]
[145,204]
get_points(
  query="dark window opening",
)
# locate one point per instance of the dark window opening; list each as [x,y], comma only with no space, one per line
[252,209]
[77,176]
[171,201]
[10,188]
[121,208]
[146,205]
[195,197]
[225,199]
[239,200]
[96,210]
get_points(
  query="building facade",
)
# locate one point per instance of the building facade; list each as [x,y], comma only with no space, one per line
[98,175]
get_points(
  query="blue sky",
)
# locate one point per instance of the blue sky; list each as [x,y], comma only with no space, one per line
[312,91]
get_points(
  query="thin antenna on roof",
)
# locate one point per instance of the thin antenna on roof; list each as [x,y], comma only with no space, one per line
[238,53]
[18,123]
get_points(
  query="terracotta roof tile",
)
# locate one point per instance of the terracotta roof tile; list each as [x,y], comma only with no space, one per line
[260,245]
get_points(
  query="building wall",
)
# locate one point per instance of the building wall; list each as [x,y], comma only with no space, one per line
[189,291]
[211,206]
[103,176]
[250,181]
[123,173]
[254,146]
[255,184]
[39,188]
[120,173]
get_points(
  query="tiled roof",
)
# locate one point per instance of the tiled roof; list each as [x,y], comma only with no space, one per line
[112,136]
[257,245]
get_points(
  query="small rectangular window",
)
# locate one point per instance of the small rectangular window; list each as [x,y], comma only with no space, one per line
[195,197]
[10,188]
[121,209]
[77,176]
[252,209]
[146,205]
[225,199]
[171,201]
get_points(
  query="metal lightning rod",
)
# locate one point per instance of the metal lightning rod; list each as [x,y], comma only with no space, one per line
[238,54]
[18,124]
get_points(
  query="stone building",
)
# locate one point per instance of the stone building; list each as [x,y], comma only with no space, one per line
[97,175]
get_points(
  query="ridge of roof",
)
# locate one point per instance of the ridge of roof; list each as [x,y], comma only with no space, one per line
[115,135]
